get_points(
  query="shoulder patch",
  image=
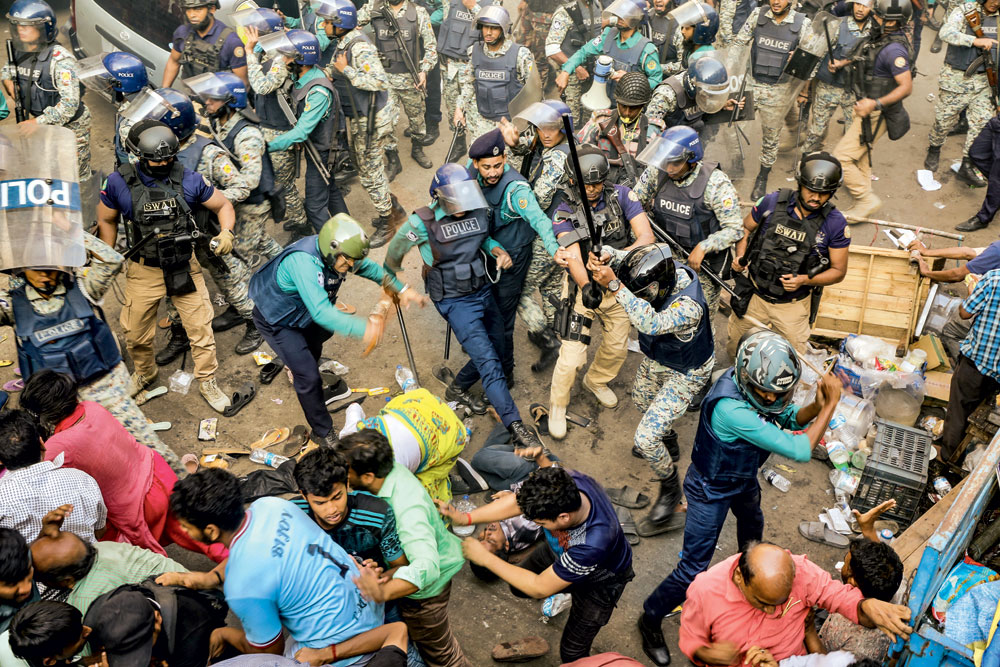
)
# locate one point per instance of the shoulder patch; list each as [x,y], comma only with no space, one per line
[66,77]
[412,236]
[900,61]
[727,202]
[319,279]
[847,232]
[633,196]
[522,203]
[239,52]
[227,169]
[651,64]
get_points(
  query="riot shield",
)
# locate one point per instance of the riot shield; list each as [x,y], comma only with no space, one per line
[528,95]
[813,45]
[41,222]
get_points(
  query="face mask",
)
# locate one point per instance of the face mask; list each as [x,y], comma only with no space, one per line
[47,289]
[160,172]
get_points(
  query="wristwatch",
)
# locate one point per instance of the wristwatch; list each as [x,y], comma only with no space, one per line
[614,285]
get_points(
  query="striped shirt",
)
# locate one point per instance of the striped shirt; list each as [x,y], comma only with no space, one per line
[369,531]
[982,345]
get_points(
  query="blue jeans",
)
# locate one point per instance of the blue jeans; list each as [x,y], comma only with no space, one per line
[705,516]
[984,151]
[322,201]
[478,326]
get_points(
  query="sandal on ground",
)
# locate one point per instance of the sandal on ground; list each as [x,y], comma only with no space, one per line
[190,463]
[626,496]
[271,437]
[241,397]
[520,650]
[817,531]
[540,414]
[628,525]
[270,370]
[14,385]
[295,441]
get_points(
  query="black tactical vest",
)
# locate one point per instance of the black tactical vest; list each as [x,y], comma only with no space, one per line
[683,213]
[38,90]
[388,49]
[496,81]
[531,168]
[661,33]
[322,134]
[772,44]
[585,25]
[268,109]
[457,32]
[158,206]
[845,43]
[863,80]
[347,92]
[266,183]
[784,248]
[199,56]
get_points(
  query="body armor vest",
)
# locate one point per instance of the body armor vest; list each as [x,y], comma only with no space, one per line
[388,49]
[629,60]
[268,109]
[458,268]
[199,56]
[38,90]
[515,234]
[322,134]
[347,92]
[266,185]
[158,206]
[585,25]
[496,81]
[531,168]
[279,307]
[670,349]
[960,57]
[661,33]
[684,214]
[772,44]
[457,32]
[786,245]
[845,43]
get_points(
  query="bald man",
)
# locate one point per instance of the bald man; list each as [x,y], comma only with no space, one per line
[760,599]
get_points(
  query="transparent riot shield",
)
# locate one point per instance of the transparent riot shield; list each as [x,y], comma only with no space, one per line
[528,95]
[41,221]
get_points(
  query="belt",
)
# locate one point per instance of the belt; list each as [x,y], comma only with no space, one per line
[155,263]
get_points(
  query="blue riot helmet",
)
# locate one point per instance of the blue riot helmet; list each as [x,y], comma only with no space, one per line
[340,13]
[171,107]
[224,86]
[679,143]
[562,109]
[768,363]
[707,81]
[494,15]
[699,15]
[35,14]
[306,46]
[455,190]
[627,13]
[118,72]
[264,20]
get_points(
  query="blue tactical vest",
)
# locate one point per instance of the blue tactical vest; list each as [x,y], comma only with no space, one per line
[629,59]
[772,44]
[457,32]
[322,135]
[38,90]
[190,156]
[661,33]
[266,184]
[496,81]
[267,107]
[279,308]
[960,57]
[458,268]
[515,234]
[73,340]
[531,168]
[683,213]
[347,92]
[845,43]
[393,60]
[585,25]
[669,349]
[718,460]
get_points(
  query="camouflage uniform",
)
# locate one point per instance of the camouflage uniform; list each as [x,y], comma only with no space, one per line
[827,97]
[727,11]
[662,103]
[409,97]
[721,197]
[475,124]
[367,74]
[561,23]
[532,30]
[283,162]
[957,92]
[111,390]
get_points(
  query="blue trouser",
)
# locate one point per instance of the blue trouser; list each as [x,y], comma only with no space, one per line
[985,155]
[300,350]
[322,200]
[705,515]
[478,326]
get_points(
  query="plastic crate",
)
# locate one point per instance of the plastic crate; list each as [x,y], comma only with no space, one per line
[902,448]
[897,469]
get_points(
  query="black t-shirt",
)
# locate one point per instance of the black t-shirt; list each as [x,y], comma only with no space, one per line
[197,617]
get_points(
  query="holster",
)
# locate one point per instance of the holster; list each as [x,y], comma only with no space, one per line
[744,292]
[814,299]
[177,278]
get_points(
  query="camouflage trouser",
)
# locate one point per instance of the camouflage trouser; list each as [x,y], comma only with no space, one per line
[546,276]
[451,88]
[826,99]
[663,395]
[978,111]
[475,125]
[112,392]
[284,174]
[414,106]
[369,161]
[81,128]
[770,101]
[572,95]
[532,31]
[233,284]
[251,232]
[712,293]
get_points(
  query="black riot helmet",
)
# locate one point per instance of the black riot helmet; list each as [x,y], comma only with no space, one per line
[649,272]
[152,140]
[820,172]
[633,90]
[593,164]
[893,10]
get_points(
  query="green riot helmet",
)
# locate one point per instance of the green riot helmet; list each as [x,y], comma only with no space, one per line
[342,235]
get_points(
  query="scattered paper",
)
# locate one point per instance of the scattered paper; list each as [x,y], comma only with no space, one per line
[938,204]
[925,177]
[839,521]
[955,166]
[277,400]
[633,345]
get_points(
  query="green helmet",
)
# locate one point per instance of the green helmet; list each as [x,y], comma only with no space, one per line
[768,362]
[342,235]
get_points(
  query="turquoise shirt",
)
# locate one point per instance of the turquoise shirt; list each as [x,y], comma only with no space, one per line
[4,111]
[738,420]
[650,59]
[316,108]
[519,203]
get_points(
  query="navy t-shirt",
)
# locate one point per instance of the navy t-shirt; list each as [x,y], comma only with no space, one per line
[891,60]
[116,195]
[832,233]
[986,261]
[232,55]
[627,199]
[596,550]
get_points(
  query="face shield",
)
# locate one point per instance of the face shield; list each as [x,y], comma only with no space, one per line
[278,44]
[538,115]
[208,86]
[94,75]
[711,97]
[623,13]
[148,104]
[460,197]
[250,18]
[33,38]
[660,152]
[689,14]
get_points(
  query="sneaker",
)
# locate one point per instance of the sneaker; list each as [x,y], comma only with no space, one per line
[605,396]
[137,382]
[473,480]
[336,392]
[213,395]
[557,421]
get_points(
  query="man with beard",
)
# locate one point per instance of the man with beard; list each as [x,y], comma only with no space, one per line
[788,237]
[698,23]
[203,45]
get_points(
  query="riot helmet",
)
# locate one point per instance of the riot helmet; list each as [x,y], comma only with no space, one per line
[306,46]
[456,190]
[153,141]
[223,86]
[338,13]
[342,235]
[263,19]
[700,16]
[707,81]
[118,71]
[650,273]
[820,172]
[625,13]
[767,362]
[679,143]
[32,14]
[170,106]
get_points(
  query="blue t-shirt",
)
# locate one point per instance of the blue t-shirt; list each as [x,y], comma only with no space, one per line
[116,195]
[284,571]
[986,261]
[596,550]
[832,233]
[626,199]
[891,60]
[232,55]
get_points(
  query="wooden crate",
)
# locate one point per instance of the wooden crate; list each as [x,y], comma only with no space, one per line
[881,295]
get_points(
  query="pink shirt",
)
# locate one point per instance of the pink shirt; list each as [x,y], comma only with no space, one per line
[96,443]
[715,610]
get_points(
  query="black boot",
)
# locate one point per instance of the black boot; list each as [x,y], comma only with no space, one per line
[662,517]
[227,319]
[695,404]
[549,343]
[417,153]
[460,149]
[455,393]
[936,44]
[653,643]
[933,158]
[522,436]
[393,167]
[431,135]
[386,225]
[973,224]
[968,174]
[177,345]
[760,185]
[251,339]
[962,127]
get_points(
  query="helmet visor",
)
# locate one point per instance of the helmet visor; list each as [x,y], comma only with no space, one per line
[660,152]
[148,104]
[94,75]
[689,14]
[623,10]
[277,43]
[250,18]
[711,97]
[28,40]
[539,115]
[208,86]
[461,197]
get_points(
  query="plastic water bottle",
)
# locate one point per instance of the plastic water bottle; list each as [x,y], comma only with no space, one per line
[839,456]
[405,379]
[267,458]
[776,480]
[464,505]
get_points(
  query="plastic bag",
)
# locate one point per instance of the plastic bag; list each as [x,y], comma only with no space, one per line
[865,350]
[962,577]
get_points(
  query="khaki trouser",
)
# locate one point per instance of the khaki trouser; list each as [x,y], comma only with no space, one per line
[144,288]
[427,623]
[610,354]
[791,320]
[853,156]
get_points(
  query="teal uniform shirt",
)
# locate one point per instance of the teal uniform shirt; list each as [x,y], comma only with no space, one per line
[316,108]
[414,233]
[650,59]
[4,111]
[738,420]
[519,203]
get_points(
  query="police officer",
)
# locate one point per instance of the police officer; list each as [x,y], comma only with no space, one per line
[498,68]
[146,196]
[43,300]
[267,78]
[414,24]
[532,32]
[696,204]
[516,221]
[573,25]
[360,80]
[47,75]
[296,294]
[773,32]
[203,44]
[958,92]
[617,210]
[881,72]
[621,39]
[124,76]
[624,132]
[451,232]
[832,86]
[747,415]
[793,243]
[660,28]
[698,25]
[685,98]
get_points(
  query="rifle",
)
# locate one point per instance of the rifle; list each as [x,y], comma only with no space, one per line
[307,145]
[370,128]
[611,132]
[20,113]
[975,21]
[398,36]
